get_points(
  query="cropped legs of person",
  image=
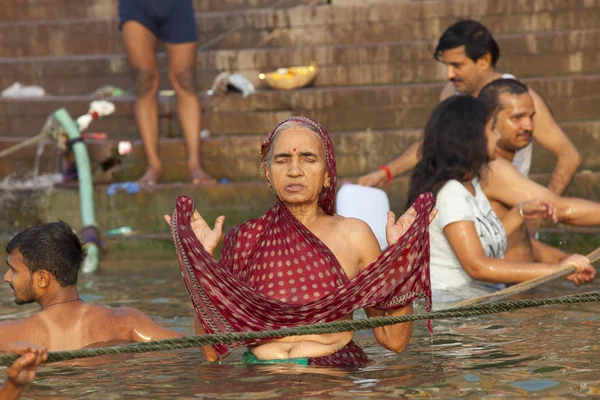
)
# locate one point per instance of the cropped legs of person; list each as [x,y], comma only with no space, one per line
[140,43]
[181,63]
[143,24]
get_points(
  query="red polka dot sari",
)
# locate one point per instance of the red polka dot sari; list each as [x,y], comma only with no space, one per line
[274,273]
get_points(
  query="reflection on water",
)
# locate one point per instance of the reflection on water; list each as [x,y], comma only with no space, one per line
[550,351]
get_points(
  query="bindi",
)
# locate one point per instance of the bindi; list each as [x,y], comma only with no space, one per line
[294,150]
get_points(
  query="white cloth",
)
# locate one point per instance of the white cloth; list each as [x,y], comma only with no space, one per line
[522,160]
[449,281]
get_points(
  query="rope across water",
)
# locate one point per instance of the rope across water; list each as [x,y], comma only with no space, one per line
[331,327]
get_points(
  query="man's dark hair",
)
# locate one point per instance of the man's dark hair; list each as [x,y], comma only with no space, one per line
[490,94]
[476,38]
[454,145]
[53,247]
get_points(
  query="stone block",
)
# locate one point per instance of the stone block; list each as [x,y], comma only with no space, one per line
[35,10]
[350,108]
[236,159]
[585,137]
[294,27]
[526,55]
[144,211]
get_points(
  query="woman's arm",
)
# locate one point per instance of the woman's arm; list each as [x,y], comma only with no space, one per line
[465,243]
[392,337]
[512,221]
[209,352]
[534,210]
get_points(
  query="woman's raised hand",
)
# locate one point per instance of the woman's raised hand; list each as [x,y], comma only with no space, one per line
[208,237]
[395,229]
[538,210]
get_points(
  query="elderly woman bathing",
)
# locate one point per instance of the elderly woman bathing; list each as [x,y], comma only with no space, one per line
[300,263]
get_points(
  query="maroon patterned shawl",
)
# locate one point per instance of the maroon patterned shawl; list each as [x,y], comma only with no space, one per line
[274,273]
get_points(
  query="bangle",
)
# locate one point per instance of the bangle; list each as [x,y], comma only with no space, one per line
[521,210]
[388,173]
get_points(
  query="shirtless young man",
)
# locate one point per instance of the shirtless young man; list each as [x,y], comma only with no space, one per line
[470,53]
[512,109]
[43,262]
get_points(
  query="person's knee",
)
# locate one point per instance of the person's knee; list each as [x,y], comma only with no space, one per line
[184,81]
[146,83]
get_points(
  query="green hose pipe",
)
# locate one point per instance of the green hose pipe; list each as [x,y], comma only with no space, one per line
[91,235]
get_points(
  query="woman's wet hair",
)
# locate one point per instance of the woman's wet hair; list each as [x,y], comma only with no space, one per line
[454,146]
[476,38]
[52,247]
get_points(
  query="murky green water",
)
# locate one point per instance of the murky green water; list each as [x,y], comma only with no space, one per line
[545,352]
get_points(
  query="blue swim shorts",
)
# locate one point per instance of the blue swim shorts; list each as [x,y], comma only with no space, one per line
[171,21]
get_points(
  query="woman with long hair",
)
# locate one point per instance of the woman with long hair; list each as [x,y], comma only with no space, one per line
[468,240]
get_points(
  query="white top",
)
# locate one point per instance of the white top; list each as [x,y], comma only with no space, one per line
[367,204]
[455,203]
[522,160]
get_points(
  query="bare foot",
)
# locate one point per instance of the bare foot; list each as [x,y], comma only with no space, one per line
[199,177]
[150,178]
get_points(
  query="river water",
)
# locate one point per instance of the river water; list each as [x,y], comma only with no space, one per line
[544,352]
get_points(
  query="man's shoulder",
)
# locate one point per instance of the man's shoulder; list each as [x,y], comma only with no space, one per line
[19,329]
[501,165]
[111,316]
[19,324]
[126,313]
[501,175]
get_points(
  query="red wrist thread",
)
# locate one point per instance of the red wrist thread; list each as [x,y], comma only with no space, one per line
[388,173]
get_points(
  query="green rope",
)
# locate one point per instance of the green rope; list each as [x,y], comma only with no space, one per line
[330,327]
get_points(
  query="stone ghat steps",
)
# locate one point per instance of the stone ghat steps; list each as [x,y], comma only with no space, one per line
[528,55]
[235,158]
[301,26]
[405,106]
[35,10]
[144,211]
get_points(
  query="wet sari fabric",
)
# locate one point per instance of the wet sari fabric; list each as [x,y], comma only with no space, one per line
[274,273]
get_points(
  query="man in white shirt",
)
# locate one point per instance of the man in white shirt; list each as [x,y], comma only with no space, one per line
[470,53]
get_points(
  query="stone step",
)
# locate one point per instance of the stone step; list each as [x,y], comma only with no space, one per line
[301,26]
[144,211]
[35,10]
[235,158]
[527,55]
[405,106]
